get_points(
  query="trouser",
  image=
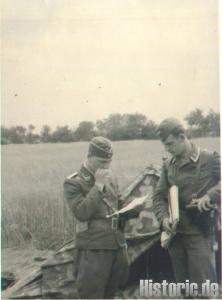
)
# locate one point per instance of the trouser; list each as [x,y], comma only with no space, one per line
[100,273]
[193,259]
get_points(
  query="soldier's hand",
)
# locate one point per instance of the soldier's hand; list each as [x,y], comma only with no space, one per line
[167,226]
[204,203]
[101,177]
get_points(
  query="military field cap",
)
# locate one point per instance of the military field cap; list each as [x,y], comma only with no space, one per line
[169,126]
[100,147]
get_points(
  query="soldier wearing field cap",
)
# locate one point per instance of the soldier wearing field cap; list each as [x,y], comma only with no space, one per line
[196,173]
[92,194]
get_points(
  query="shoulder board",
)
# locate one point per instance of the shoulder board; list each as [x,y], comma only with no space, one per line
[73,175]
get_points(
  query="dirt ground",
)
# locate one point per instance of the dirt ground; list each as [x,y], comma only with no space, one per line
[21,262]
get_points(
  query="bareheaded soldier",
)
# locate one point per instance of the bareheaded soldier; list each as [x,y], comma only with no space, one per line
[92,194]
[196,173]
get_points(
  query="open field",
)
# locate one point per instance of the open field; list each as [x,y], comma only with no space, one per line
[33,207]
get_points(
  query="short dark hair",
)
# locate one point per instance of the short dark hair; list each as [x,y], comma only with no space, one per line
[169,126]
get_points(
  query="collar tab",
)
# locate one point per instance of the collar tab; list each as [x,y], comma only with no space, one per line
[195,154]
[85,173]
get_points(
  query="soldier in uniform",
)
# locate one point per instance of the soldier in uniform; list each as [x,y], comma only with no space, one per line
[196,172]
[92,194]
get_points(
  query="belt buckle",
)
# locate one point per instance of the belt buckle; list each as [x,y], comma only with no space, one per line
[114,223]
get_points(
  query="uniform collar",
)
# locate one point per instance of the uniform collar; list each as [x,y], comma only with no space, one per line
[195,153]
[193,156]
[85,173]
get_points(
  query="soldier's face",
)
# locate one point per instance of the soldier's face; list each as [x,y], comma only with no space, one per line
[174,145]
[100,163]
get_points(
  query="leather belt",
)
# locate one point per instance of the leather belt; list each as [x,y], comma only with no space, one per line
[111,223]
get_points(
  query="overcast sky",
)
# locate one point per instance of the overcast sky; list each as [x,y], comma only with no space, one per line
[65,61]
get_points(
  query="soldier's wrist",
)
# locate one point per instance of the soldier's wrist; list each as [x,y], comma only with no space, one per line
[209,202]
[163,222]
[100,186]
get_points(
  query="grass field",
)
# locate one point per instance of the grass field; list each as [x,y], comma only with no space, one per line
[33,207]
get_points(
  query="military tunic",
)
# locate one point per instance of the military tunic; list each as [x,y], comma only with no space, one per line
[191,249]
[101,258]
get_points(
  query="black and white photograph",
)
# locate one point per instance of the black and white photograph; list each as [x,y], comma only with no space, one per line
[110,149]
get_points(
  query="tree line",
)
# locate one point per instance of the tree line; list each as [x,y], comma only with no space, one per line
[116,127]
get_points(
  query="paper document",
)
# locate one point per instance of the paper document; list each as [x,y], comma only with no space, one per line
[174,204]
[133,204]
[173,214]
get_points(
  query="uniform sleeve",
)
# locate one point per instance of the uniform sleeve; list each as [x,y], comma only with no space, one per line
[160,203]
[82,207]
[215,192]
